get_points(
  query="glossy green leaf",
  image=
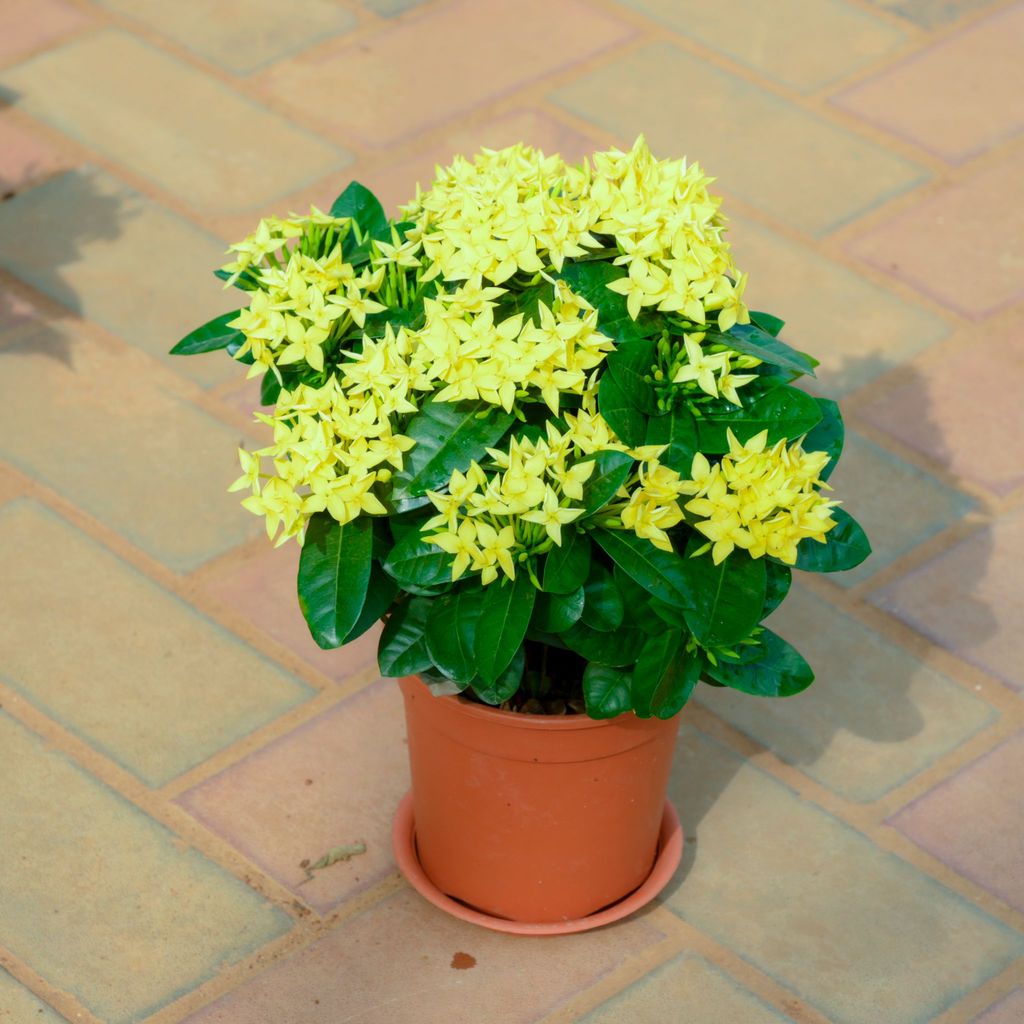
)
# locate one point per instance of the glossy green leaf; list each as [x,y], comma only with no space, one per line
[620,647]
[270,389]
[611,468]
[359,203]
[566,566]
[727,598]
[628,422]
[846,546]
[828,436]
[505,686]
[591,280]
[665,676]
[784,412]
[334,573]
[777,670]
[440,686]
[402,650]
[451,632]
[752,341]
[778,580]
[606,691]
[246,281]
[416,562]
[661,573]
[631,364]
[767,322]
[506,611]
[448,435]
[380,593]
[213,335]
[603,607]
[678,430]
[555,613]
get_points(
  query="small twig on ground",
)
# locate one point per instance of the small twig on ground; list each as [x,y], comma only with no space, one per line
[332,856]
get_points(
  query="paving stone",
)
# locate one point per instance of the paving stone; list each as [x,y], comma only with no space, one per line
[834,38]
[120,661]
[239,35]
[91,235]
[1009,1010]
[24,157]
[217,151]
[262,588]
[32,24]
[971,821]
[937,411]
[821,175]
[395,182]
[390,8]
[874,717]
[294,799]
[686,988]
[968,599]
[19,1006]
[925,244]
[102,901]
[139,459]
[858,933]
[857,329]
[465,53]
[15,310]
[354,969]
[899,505]
[958,97]
[932,13]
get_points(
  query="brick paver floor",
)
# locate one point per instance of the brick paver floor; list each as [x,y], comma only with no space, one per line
[173,745]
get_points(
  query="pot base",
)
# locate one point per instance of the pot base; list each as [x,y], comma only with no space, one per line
[670,852]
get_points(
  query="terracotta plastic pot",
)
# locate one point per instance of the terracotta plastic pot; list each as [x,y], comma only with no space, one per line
[534,817]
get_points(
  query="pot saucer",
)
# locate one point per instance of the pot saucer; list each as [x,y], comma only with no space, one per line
[670,852]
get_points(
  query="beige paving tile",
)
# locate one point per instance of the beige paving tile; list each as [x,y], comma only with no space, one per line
[858,933]
[117,442]
[956,98]
[460,54]
[687,988]
[182,129]
[19,1006]
[1009,1010]
[933,13]
[31,24]
[24,157]
[239,35]
[118,660]
[821,176]
[103,902]
[122,261]
[833,40]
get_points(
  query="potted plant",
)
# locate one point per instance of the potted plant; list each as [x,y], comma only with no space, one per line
[533,427]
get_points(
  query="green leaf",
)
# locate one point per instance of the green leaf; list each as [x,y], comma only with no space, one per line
[591,280]
[359,203]
[784,412]
[779,580]
[767,322]
[605,691]
[212,336]
[777,669]
[603,608]
[402,650]
[727,598]
[439,686]
[677,429]
[828,435]
[380,593]
[246,281]
[665,676]
[618,648]
[610,472]
[418,563]
[505,686]
[451,632]
[270,389]
[555,613]
[752,341]
[507,607]
[846,546]
[334,573]
[448,435]
[628,422]
[661,573]
[526,302]
[631,364]
[566,567]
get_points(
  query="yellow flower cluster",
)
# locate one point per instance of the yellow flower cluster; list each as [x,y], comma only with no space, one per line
[762,500]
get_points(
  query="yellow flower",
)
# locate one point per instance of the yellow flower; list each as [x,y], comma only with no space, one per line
[552,517]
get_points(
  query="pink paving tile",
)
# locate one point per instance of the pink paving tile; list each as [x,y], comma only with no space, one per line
[963,246]
[15,310]
[243,396]
[335,780]
[393,965]
[437,64]
[262,589]
[969,599]
[395,183]
[24,157]
[952,409]
[972,821]
[1009,1010]
[957,98]
[29,25]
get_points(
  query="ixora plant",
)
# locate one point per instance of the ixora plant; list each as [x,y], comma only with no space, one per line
[533,426]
